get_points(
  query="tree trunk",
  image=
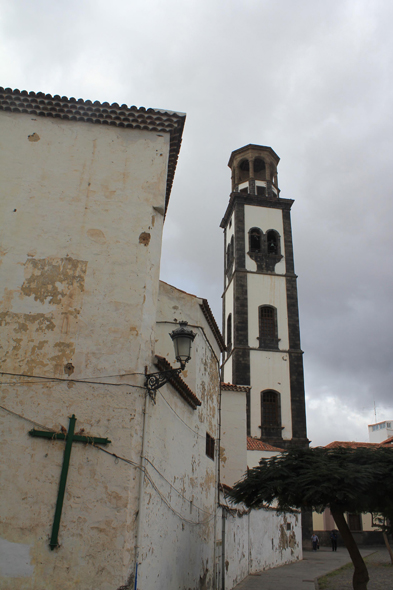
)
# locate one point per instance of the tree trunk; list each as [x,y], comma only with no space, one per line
[388,547]
[360,575]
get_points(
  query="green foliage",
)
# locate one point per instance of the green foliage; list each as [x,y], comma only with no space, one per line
[352,480]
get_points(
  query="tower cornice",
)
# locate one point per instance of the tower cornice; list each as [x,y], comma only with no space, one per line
[252,148]
[256,201]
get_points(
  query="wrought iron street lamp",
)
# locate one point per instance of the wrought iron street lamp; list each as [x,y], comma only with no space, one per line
[182,339]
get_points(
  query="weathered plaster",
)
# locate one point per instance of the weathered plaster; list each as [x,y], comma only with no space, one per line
[77,288]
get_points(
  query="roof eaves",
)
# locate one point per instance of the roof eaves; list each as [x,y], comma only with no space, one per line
[177,383]
[79,110]
[207,312]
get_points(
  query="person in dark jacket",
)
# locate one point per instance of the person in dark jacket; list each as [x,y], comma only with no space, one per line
[333,538]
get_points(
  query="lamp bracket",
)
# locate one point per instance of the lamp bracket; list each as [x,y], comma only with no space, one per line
[155,381]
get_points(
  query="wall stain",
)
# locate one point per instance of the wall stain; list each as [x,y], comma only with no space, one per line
[97,236]
[34,137]
[53,278]
[66,351]
[144,238]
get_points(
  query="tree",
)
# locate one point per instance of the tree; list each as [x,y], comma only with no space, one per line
[346,480]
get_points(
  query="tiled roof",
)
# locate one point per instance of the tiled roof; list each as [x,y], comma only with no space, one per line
[232,387]
[72,109]
[388,441]
[254,444]
[351,444]
[207,312]
[177,383]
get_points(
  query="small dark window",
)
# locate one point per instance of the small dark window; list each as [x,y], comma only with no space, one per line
[270,409]
[210,442]
[229,332]
[288,526]
[255,239]
[244,166]
[261,190]
[267,322]
[244,190]
[271,414]
[230,249]
[272,242]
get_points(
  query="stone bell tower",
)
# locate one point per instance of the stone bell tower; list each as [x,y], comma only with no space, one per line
[260,306]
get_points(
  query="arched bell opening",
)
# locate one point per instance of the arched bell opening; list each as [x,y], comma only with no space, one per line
[255,240]
[259,169]
[273,242]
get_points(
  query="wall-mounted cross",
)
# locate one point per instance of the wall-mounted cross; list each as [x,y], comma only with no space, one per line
[69,437]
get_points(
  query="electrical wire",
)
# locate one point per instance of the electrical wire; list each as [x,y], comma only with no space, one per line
[181,419]
[136,465]
[166,502]
[28,419]
[177,491]
[54,379]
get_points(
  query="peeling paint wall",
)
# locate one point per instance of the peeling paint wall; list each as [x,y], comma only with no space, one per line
[260,540]
[181,494]
[79,267]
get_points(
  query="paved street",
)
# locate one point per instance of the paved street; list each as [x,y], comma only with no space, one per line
[302,574]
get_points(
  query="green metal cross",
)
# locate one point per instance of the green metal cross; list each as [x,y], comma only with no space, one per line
[69,437]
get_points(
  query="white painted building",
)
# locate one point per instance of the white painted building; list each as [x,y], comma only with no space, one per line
[380,431]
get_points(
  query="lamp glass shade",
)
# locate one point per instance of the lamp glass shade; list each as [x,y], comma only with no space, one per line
[182,339]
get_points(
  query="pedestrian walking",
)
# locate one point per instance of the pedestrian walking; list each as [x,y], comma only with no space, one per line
[333,538]
[315,541]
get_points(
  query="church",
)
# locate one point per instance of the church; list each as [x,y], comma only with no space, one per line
[260,305]
[114,459]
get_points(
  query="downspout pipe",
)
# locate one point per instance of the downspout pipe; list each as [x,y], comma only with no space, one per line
[224,516]
[141,489]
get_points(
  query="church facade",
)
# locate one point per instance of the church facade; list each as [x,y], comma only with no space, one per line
[260,306]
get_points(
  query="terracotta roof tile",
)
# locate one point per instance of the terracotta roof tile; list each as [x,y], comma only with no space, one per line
[388,441]
[232,387]
[71,109]
[352,444]
[177,383]
[255,444]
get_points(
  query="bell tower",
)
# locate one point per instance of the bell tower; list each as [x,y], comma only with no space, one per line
[260,306]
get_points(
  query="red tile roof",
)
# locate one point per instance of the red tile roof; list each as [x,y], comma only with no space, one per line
[353,445]
[232,387]
[177,383]
[72,109]
[255,444]
[388,441]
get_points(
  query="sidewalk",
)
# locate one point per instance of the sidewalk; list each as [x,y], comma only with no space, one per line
[301,575]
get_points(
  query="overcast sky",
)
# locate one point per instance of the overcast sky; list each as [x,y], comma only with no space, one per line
[313,80]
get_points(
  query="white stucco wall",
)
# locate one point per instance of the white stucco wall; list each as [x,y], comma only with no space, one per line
[233,436]
[267,290]
[254,457]
[272,370]
[260,540]
[79,271]
[179,525]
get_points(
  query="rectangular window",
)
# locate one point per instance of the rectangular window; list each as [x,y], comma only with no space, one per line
[210,442]
[354,522]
